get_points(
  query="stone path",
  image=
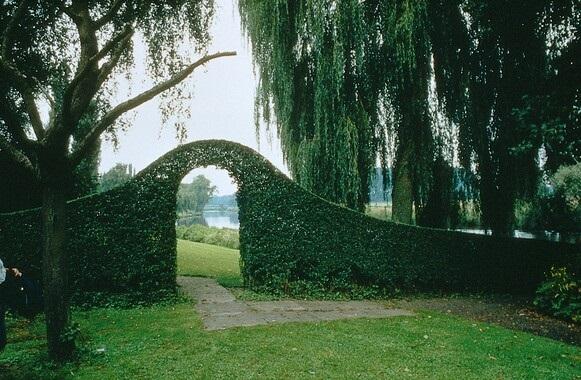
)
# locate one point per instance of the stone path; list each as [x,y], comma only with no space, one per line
[219,309]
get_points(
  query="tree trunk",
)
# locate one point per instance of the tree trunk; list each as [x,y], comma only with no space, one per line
[497,201]
[437,211]
[55,271]
[402,193]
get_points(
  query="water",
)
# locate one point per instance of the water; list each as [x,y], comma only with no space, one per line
[222,219]
[211,218]
[229,219]
[573,237]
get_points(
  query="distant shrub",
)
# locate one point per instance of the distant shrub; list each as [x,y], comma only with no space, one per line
[377,211]
[528,215]
[557,205]
[224,237]
[467,214]
[567,198]
[560,295]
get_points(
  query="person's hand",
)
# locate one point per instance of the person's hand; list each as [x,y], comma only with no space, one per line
[15,272]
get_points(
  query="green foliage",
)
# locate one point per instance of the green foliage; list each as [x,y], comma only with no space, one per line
[351,82]
[379,211]
[556,206]
[124,240]
[198,259]
[466,214]
[116,176]
[223,237]
[18,190]
[567,184]
[193,197]
[560,295]
[528,215]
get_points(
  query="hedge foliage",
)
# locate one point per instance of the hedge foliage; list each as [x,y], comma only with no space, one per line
[124,241]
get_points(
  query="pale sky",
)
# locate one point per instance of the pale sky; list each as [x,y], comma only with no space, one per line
[222,107]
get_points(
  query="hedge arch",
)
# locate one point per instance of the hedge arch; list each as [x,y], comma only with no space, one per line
[123,241]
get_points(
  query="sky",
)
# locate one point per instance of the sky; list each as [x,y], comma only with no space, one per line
[222,107]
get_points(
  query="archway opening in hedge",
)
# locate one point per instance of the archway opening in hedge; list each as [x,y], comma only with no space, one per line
[207,211]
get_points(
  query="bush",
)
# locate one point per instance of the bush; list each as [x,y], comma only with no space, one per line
[124,240]
[566,210]
[224,237]
[560,295]
[528,215]
[556,206]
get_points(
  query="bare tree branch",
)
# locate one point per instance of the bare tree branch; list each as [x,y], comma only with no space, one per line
[11,26]
[20,83]
[15,155]
[82,72]
[48,97]
[108,67]
[14,125]
[107,17]
[109,118]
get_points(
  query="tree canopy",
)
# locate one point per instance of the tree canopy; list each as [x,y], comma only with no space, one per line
[351,83]
[194,196]
[68,54]
[116,176]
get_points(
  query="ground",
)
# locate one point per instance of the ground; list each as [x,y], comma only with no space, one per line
[219,309]
[512,312]
[169,341]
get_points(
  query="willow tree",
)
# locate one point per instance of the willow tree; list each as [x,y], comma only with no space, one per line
[404,27]
[312,76]
[85,42]
[508,65]
[551,118]
[345,79]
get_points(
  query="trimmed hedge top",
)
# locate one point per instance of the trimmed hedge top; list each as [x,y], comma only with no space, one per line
[123,241]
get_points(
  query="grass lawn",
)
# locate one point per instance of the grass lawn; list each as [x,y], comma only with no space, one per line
[162,342]
[198,259]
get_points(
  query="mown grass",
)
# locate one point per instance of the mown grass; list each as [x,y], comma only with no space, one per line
[204,260]
[167,342]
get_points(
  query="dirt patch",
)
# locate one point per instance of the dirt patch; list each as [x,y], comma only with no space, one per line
[220,310]
[510,312]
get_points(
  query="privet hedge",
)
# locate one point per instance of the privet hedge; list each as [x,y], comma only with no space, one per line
[123,241]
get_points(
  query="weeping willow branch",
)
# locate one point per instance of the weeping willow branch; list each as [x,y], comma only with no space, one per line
[107,17]
[132,103]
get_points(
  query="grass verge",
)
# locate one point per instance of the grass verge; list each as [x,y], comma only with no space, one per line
[168,342]
[204,260]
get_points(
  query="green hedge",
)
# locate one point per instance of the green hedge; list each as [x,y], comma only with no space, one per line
[123,241]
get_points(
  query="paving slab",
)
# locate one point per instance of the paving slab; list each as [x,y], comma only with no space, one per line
[219,309]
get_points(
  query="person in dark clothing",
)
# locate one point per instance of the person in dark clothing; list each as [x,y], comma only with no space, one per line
[6,275]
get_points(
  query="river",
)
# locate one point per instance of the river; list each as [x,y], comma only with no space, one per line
[211,218]
[229,219]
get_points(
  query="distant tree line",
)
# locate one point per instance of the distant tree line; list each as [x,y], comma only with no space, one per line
[18,192]
[194,196]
